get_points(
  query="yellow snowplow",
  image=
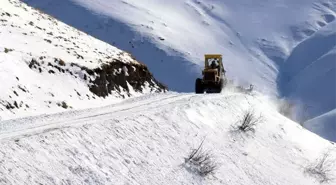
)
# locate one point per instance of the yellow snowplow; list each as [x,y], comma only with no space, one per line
[213,79]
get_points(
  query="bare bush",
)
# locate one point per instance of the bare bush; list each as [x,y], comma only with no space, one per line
[322,169]
[201,161]
[248,122]
[8,50]
[61,62]
[63,104]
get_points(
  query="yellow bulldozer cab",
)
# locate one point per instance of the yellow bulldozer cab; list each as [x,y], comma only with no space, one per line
[209,58]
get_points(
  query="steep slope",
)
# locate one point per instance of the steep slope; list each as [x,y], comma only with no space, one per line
[310,71]
[48,66]
[309,79]
[145,140]
[254,37]
[323,125]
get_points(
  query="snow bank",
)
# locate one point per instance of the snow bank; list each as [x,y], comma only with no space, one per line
[145,140]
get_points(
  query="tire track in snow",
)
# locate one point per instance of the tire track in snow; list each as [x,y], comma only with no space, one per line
[118,111]
[38,126]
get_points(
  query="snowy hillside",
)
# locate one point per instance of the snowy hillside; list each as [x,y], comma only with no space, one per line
[323,125]
[254,37]
[145,140]
[47,66]
[305,76]
[311,81]
[260,41]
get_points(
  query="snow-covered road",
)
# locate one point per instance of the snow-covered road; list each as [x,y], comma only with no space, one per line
[144,140]
[38,124]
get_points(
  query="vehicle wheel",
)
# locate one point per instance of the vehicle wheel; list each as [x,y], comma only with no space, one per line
[198,86]
[220,86]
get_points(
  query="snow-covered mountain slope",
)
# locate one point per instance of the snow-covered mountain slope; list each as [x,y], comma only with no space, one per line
[313,74]
[323,125]
[261,41]
[48,66]
[310,71]
[145,140]
[247,33]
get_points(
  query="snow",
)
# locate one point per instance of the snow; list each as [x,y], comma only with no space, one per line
[261,41]
[193,28]
[144,140]
[301,69]
[310,80]
[38,87]
[323,125]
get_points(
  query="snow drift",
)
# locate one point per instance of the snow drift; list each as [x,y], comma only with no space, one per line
[145,140]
